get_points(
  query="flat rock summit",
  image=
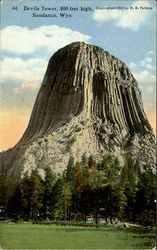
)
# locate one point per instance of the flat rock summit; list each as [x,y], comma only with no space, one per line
[88,102]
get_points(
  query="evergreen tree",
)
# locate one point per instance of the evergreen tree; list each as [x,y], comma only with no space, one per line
[66,196]
[109,194]
[15,208]
[145,207]
[32,195]
[130,183]
[70,170]
[58,209]
[63,196]
[48,185]
[6,191]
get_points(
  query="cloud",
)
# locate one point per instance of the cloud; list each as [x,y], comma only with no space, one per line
[132,19]
[21,40]
[146,60]
[33,85]
[147,85]
[145,76]
[26,86]
[149,89]
[22,71]
[132,66]
[144,72]
[147,63]
[150,52]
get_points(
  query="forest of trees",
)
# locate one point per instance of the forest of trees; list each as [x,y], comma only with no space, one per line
[103,189]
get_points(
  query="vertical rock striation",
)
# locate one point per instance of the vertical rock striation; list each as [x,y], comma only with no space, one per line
[87,97]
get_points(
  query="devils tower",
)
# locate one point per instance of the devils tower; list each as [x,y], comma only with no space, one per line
[88,102]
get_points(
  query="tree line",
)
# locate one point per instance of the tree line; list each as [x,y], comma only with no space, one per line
[103,189]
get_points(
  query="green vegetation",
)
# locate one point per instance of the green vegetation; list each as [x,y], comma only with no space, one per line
[101,190]
[28,236]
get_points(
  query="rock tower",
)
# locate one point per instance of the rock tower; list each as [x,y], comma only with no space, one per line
[88,102]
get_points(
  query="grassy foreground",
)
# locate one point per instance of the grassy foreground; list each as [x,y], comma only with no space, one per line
[28,236]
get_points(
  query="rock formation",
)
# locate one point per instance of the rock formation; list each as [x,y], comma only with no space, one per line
[88,102]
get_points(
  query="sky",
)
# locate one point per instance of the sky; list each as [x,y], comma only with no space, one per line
[126,29]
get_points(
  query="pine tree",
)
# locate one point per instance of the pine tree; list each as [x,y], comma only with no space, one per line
[32,195]
[6,191]
[48,185]
[15,209]
[144,206]
[130,183]
[70,170]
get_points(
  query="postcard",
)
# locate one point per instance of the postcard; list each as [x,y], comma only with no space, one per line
[78,124]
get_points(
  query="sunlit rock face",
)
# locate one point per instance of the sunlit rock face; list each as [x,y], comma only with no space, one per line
[88,102]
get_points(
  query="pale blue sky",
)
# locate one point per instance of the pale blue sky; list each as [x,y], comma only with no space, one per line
[28,43]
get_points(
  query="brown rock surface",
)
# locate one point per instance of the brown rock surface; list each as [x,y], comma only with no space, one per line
[88,102]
